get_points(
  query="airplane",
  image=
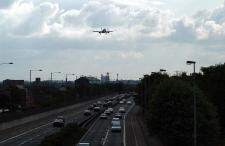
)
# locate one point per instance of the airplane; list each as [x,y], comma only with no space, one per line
[103,31]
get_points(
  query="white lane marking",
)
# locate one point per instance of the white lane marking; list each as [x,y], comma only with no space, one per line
[21,134]
[106,136]
[124,125]
[90,129]
[26,132]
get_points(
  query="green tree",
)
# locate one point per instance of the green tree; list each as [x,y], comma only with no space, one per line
[170,115]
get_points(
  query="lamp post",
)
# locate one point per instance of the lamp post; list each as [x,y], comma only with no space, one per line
[54,73]
[31,72]
[162,70]
[69,74]
[6,63]
[195,106]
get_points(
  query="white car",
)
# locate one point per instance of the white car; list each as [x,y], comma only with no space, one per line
[115,119]
[118,115]
[107,112]
[121,102]
[103,116]
[122,110]
[116,126]
[110,109]
[129,102]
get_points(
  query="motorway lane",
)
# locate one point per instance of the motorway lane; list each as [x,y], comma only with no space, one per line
[134,132]
[99,129]
[34,137]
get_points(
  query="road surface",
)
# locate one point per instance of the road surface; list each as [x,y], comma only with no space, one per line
[32,133]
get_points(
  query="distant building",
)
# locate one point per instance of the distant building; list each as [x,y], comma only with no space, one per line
[130,82]
[37,79]
[87,80]
[17,92]
[13,83]
[105,78]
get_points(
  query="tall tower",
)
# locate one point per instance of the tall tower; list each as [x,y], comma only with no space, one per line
[107,77]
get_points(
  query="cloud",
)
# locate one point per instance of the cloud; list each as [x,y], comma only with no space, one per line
[4,4]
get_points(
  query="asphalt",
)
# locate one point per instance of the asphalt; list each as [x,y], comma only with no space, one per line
[136,130]
[31,134]
[100,133]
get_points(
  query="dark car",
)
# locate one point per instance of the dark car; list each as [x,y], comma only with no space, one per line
[87,112]
[59,122]
[91,107]
[97,109]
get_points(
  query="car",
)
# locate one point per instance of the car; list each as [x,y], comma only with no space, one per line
[122,110]
[59,122]
[83,144]
[103,116]
[107,112]
[91,107]
[109,103]
[116,127]
[99,103]
[87,112]
[61,117]
[118,115]
[115,119]
[105,104]
[129,102]
[121,102]
[110,109]
[97,109]
[94,104]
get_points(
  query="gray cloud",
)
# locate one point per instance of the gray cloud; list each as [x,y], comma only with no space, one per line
[148,38]
[4,4]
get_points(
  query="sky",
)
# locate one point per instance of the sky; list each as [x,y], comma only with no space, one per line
[149,35]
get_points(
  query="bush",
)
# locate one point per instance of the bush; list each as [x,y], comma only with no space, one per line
[170,115]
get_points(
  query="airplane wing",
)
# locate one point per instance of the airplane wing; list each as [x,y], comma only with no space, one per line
[109,31]
[96,31]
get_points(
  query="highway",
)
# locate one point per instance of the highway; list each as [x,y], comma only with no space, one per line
[100,133]
[32,133]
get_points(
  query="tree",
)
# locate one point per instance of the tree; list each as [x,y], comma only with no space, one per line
[170,115]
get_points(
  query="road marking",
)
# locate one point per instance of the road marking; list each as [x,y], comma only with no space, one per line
[106,136]
[26,132]
[89,130]
[124,125]
[34,130]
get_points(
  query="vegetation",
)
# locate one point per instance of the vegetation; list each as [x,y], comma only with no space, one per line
[68,136]
[167,102]
[171,115]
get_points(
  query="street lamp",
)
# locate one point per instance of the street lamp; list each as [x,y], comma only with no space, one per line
[54,73]
[162,70]
[6,63]
[33,70]
[69,74]
[191,62]
[195,116]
